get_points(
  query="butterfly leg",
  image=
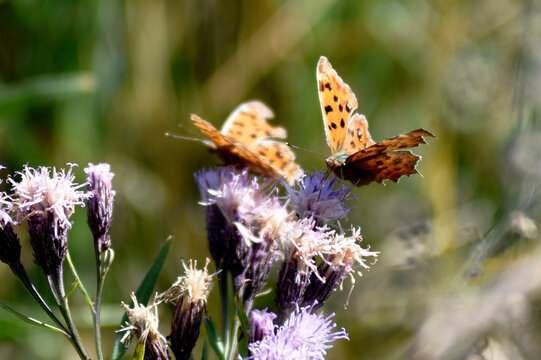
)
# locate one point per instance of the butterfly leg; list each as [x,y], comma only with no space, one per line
[326,175]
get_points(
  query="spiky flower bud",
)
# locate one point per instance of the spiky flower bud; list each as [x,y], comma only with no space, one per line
[261,325]
[100,204]
[10,247]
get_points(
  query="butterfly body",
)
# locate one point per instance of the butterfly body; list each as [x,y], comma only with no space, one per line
[354,155]
[246,139]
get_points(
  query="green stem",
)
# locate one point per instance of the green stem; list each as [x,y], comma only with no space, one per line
[56,282]
[224,297]
[233,341]
[103,263]
[20,272]
[79,283]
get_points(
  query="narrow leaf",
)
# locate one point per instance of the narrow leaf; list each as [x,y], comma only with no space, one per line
[214,338]
[205,351]
[244,322]
[143,293]
[28,319]
[244,325]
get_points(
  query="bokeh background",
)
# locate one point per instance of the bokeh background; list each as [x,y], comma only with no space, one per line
[460,267]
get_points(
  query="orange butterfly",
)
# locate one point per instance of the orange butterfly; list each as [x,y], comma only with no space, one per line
[245,139]
[354,155]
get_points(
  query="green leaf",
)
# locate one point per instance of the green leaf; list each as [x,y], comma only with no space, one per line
[214,338]
[205,351]
[143,293]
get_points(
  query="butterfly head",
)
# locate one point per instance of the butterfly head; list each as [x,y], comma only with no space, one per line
[336,161]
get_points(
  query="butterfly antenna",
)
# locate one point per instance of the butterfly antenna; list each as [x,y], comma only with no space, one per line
[168,134]
[320,155]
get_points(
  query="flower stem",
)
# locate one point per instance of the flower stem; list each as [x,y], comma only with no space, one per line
[224,297]
[20,272]
[103,263]
[79,283]
[56,283]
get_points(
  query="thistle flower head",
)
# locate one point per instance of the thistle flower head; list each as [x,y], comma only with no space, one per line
[46,199]
[342,261]
[46,192]
[142,321]
[304,335]
[316,197]
[237,195]
[100,202]
[304,241]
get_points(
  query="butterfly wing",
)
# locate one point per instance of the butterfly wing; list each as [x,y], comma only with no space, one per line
[280,157]
[245,140]
[337,104]
[357,137]
[233,152]
[248,123]
[384,160]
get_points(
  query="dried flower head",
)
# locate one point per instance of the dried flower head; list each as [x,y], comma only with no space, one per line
[190,294]
[142,321]
[100,203]
[304,335]
[194,285]
[318,198]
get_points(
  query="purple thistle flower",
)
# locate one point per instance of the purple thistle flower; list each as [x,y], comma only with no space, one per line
[315,197]
[299,246]
[242,219]
[261,325]
[337,264]
[46,201]
[304,335]
[100,204]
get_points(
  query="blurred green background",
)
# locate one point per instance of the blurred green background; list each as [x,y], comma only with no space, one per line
[460,267]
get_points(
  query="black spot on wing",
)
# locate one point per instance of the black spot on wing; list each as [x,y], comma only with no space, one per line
[348,107]
[328,86]
[328,109]
[342,123]
[335,98]
[340,107]
[333,125]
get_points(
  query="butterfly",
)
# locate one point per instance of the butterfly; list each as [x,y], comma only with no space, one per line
[247,139]
[354,155]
